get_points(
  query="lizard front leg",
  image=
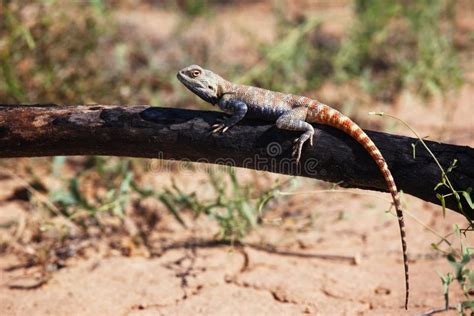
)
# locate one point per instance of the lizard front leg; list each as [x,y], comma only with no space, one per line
[294,120]
[236,108]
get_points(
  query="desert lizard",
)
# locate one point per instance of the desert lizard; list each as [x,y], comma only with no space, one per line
[289,112]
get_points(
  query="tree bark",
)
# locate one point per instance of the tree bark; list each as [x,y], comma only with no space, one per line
[166,133]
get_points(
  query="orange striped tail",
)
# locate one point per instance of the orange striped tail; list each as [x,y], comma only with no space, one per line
[321,113]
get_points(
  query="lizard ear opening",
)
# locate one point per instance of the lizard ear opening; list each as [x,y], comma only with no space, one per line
[219,92]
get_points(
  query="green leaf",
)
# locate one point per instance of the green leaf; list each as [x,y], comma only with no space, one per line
[58,163]
[63,197]
[143,192]
[28,37]
[452,166]
[248,213]
[467,197]
[468,304]
[465,259]
[470,278]
[438,185]
[168,202]
[457,230]
[451,257]
[458,266]
[126,183]
[443,202]
[77,195]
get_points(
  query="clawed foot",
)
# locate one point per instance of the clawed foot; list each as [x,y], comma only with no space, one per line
[220,127]
[298,145]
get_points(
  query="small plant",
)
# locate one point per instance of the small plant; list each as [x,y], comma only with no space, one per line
[445,182]
[234,206]
[237,213]
[89,204]
[115,186]
[463,276]
[458,260]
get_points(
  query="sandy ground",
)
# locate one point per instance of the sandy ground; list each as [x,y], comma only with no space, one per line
[292,273]
[292,277]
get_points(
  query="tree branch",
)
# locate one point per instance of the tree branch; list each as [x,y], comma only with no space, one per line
[150,132]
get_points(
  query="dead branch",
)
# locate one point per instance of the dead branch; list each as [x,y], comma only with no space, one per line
[150,132]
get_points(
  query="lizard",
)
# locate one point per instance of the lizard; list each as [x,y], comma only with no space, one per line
[288,112]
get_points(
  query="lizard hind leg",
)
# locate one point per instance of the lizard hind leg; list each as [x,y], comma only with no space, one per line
[294,120]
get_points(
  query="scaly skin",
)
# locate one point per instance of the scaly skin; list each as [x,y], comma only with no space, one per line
[290,112]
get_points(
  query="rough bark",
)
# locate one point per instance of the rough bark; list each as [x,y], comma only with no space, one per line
[150,132]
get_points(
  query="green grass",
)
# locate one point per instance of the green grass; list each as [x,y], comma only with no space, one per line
[98,201]
[288,64]
[410,43]
[464,276]
[390,46]
[235,207]
[53,53]
[74,53]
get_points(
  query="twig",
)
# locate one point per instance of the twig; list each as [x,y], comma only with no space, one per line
[436,310]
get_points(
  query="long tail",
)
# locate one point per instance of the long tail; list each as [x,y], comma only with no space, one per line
[321,113]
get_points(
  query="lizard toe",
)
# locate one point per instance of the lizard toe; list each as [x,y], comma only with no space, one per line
[217,128]
[297,151]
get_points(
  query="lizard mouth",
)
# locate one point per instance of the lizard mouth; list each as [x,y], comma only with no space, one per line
[196,87]
[182,78]
[187,82]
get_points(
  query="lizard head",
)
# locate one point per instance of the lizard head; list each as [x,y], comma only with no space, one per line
[202,82]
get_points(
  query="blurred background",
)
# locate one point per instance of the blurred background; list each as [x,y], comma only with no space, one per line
[413,59]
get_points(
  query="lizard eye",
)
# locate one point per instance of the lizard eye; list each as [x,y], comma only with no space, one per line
[195,73]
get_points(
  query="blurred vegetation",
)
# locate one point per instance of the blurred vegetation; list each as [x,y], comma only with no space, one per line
[108,199]
[459,261]
[401,44]
[76,53]
[237,207]
[72,52]
[391,45]
[50,52]
[292,63]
